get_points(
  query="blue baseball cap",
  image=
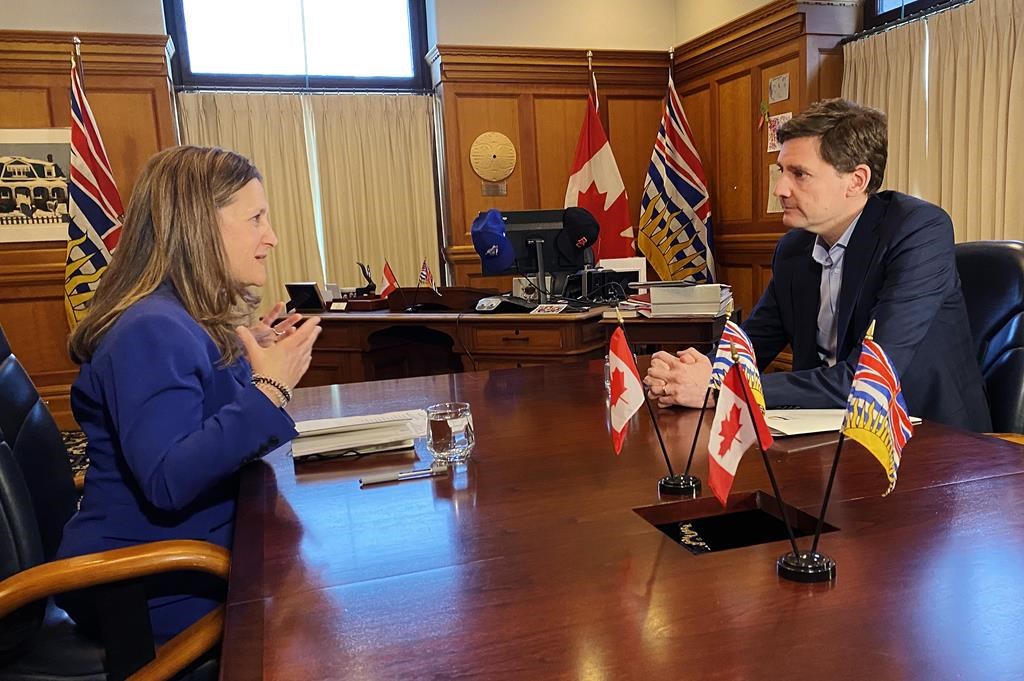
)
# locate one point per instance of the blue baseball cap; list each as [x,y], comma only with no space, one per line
[491,244]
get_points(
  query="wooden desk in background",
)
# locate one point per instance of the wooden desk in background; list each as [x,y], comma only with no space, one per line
[533,562]
[367,346]
[670,332]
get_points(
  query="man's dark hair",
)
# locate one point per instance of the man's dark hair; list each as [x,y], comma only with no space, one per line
[849,134]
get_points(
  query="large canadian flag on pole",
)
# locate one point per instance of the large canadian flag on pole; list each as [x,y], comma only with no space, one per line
[596,185]
[734,429]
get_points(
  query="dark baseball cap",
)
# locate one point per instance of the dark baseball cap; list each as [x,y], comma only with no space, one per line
[579,232]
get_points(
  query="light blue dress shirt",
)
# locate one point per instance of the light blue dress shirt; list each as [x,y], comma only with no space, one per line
[831,261]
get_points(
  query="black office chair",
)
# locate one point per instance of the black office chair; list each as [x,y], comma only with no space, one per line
[37,639]
[992,278]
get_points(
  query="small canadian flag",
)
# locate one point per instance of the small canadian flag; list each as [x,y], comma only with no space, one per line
[627,393]
[390,283]
[733,430]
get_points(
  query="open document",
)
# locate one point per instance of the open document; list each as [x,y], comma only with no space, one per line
[783,422]
[359,434]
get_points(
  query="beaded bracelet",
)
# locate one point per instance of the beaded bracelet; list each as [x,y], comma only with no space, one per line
[276,385]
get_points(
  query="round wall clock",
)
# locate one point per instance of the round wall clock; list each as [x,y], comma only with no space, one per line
[493,156]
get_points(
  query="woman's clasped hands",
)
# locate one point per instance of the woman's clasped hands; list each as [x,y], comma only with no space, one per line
[280,351]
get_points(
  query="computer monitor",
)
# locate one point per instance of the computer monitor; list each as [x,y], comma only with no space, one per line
[556,256]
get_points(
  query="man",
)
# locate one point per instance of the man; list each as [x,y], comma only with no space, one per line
[855,255]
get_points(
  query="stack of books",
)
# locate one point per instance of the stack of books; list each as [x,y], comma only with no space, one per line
[628,308]
[675,299]
[359,434]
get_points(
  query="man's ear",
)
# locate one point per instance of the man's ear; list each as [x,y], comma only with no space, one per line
[859,178]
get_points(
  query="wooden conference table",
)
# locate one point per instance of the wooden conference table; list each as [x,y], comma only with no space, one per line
[532,562]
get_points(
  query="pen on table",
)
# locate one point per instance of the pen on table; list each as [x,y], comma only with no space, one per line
[397,476]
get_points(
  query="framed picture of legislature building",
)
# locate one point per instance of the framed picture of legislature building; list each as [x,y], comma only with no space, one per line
[34,168]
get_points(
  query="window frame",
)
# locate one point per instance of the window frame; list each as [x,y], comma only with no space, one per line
[183,77]
[875,19]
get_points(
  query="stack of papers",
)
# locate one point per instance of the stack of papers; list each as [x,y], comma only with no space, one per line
[359,434]
[783,422]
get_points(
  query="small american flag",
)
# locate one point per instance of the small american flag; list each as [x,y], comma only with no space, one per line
[95,206]
[426,277]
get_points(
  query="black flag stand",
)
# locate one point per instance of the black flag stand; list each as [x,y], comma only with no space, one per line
[704,406]
[786,572]
[679,485]
[813,566]
[696,434]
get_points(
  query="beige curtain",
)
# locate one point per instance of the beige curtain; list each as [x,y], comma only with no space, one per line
[976,117]
[953,88]
[887,71]
[375,164]
[269,129]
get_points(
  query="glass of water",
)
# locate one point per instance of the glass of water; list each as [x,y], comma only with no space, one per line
[450,438]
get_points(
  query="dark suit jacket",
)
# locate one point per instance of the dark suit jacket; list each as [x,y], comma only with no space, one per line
[168,427]
[898,269]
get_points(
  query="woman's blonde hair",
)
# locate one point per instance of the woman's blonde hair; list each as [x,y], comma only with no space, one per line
[171,233]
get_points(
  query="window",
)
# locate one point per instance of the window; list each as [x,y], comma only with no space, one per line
[880,12]
[328,44]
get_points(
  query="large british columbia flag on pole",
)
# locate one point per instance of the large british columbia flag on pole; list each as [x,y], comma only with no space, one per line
[95,206]
[675,215]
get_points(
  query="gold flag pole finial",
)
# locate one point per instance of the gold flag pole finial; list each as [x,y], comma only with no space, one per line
[618,315]
[870,335]
[593,77]
[732,351]
[729,307]
[76,58]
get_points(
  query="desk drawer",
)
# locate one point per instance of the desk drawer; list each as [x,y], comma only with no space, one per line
[517,339]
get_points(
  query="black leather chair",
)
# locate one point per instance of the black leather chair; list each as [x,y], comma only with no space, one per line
[992,278]
[37,496]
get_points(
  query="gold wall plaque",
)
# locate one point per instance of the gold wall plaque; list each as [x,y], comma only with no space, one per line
[493,156]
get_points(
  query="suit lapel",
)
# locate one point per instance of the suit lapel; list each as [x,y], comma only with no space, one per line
[805,294]
[860,252]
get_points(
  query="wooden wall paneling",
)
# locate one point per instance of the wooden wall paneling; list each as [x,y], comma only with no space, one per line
[734,160]
[744,262]
[824,68]
[741,278]
[128,86]
[478,112]
[25,107]
[528,151]
[632,129]
[33,319]
[549,88]
[787,63]
[557,120]
[130,124]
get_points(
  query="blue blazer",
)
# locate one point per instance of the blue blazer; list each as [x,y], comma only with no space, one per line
[899,269]
[168,428]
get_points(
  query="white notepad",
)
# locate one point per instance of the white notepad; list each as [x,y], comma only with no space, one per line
[359,434]
[784,422]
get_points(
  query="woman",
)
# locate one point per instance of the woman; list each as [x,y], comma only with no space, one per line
[175,394]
